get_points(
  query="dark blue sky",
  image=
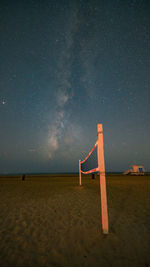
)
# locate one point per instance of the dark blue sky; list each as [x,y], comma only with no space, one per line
[66,66]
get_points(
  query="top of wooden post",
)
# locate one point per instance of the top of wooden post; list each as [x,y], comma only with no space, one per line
[100,128]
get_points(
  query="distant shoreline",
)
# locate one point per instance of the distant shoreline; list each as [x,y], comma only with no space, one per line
[56,174]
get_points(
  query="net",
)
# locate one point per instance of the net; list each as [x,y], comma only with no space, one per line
[89,164]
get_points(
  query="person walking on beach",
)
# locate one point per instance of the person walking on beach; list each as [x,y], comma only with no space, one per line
[23,177]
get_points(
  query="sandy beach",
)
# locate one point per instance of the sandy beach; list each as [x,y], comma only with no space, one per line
[51,221]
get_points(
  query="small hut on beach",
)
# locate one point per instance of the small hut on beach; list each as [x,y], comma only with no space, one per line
[136,170]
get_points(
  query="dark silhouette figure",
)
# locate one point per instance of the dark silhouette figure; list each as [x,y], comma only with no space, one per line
[93,176]
[23,177]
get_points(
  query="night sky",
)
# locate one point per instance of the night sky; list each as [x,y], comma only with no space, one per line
[66,66]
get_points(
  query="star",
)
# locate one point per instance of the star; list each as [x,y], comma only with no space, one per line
[4,102]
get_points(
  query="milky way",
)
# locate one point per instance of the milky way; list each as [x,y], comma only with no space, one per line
[66,66]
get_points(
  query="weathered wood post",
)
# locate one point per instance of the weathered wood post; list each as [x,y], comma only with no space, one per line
[80,183]
[101,167]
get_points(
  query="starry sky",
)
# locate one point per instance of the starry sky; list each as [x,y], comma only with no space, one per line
[66,66]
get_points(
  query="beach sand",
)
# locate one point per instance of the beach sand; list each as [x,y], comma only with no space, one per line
[52,221]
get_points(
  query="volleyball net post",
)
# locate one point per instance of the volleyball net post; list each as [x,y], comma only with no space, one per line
[101,167]
[101,170]
[80,183]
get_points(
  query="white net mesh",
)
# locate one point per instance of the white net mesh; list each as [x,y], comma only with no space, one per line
[89,164]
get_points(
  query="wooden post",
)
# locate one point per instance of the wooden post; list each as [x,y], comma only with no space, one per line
[101,167]
[80,172]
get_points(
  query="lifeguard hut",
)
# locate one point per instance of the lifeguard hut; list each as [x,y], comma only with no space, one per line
[136,170]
